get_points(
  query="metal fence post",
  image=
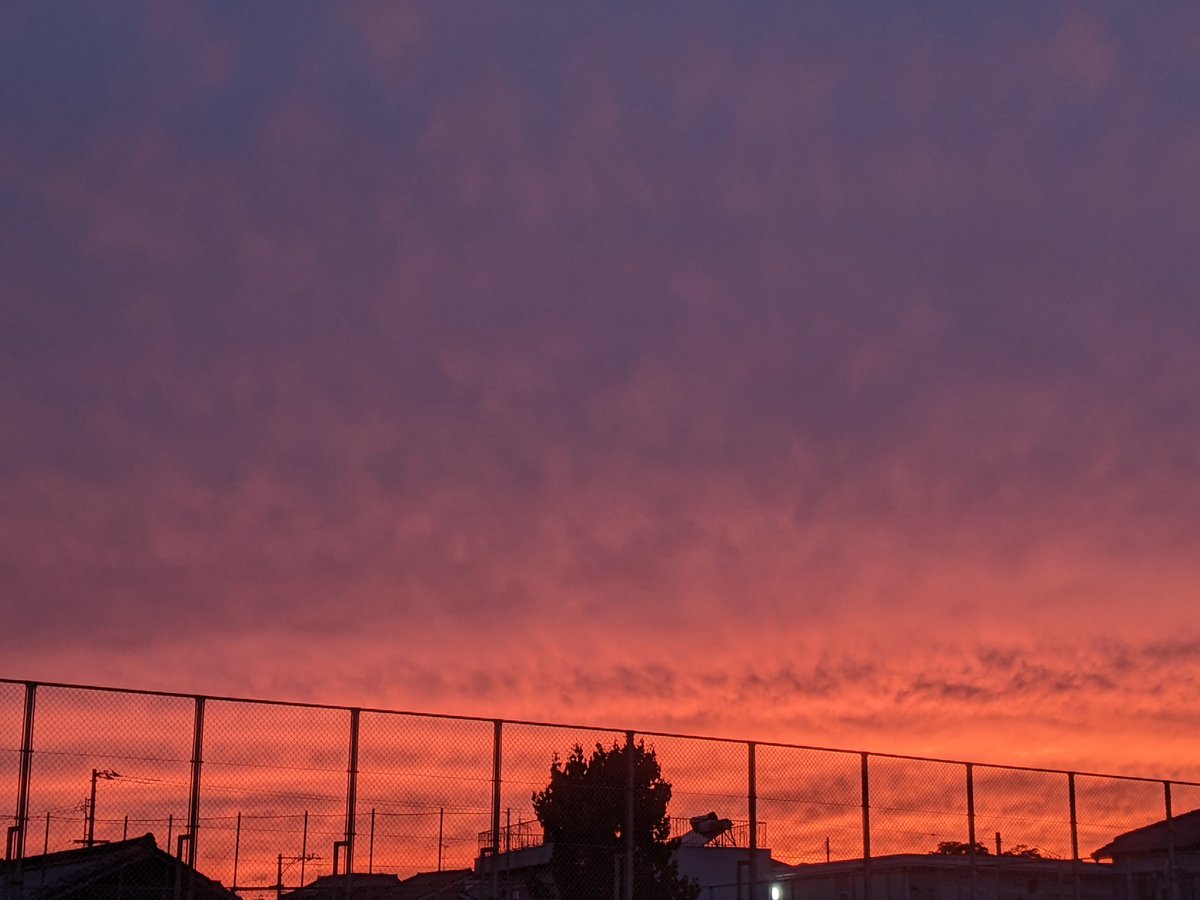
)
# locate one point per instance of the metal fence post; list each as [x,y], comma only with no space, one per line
[194,796]
[1074,834]
[866,826]
[237,851]
[303,844]
[16,834]
[497,734]
[1074,816]
[1171,872]
[371,846]
[630,779]
[351,793]
[441,830]
[752,804]
[971,825]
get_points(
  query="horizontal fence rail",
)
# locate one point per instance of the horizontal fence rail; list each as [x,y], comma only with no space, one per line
[207,796]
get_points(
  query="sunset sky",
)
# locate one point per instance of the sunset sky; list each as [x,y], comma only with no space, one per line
[823,373]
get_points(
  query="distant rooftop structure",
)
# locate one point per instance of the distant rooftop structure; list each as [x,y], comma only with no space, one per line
[934,876]
[708,829]
[1182,833]
[450,884]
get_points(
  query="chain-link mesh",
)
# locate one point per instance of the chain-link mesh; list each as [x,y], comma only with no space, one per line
[706,777]
[1107,807]
[710,779]
[526,860]
[424,793]
[12,714]
[915,805]
[108,766]
[1022,814]
[289,794]
[274,788]
[1185,798]
[812,800]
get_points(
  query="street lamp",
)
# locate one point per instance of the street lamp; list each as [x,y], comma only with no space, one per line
[97,774]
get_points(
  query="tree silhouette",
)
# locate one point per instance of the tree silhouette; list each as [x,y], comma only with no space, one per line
[962,848]
[1023,852]
[582,811]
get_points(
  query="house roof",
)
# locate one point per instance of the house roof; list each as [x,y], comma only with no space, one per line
[937,861]
[1155,838]
[427,885]
[138,863]
[423,886]
[368,887]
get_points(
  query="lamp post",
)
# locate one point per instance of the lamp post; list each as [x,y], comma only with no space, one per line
[97,774]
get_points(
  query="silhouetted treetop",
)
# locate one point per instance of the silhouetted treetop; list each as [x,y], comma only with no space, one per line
[963,848]
[582,811]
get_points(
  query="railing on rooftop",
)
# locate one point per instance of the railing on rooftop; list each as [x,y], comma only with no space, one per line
[738,835]
[517,836]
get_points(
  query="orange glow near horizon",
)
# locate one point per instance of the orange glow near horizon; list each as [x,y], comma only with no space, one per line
[274,768]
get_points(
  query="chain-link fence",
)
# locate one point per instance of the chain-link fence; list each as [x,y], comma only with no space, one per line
[117,793]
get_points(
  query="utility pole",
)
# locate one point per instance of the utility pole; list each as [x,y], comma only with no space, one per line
[441,828]
[280,868]
[107,775]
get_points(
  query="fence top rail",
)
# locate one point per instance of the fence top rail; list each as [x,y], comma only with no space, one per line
[594,728]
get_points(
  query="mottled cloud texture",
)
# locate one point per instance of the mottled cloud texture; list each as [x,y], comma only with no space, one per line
[795,372]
